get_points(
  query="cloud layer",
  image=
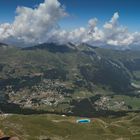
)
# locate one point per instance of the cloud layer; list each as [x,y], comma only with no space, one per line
[33,25]
[39,25]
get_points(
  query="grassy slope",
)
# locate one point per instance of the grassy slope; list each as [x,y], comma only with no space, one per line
[35,127]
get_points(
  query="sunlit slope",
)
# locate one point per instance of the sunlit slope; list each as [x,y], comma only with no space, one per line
[56,127]
[57,78]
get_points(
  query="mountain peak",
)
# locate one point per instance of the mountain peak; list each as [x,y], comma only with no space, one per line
[3,45]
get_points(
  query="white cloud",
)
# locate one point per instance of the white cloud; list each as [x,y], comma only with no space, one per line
[113,22]
[40,24]
[116,34]
[34,25]
[92,22]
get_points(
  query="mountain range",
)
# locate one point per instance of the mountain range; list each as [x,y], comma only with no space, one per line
[71,79]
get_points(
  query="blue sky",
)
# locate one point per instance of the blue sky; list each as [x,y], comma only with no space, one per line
[80,11]
[96,22]
[103,9]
